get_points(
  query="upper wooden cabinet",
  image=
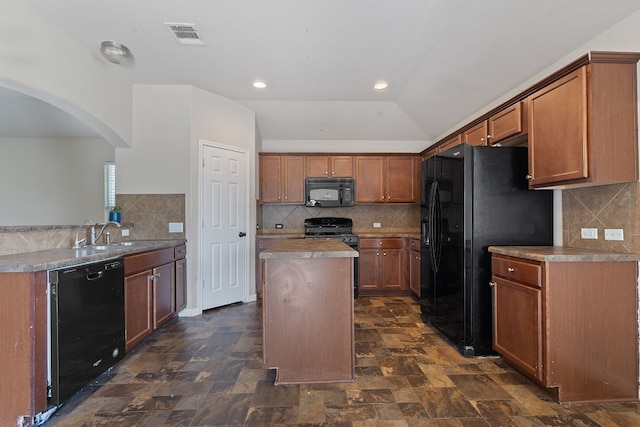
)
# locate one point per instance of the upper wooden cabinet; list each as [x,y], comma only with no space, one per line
[387,179]
[329,166]
[583,126]
[450,143]
[477,135]
[507,123]
[282,179]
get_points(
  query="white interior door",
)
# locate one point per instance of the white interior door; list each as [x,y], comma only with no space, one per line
[224,207]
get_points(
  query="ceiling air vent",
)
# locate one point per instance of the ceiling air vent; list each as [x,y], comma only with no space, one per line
[185,33]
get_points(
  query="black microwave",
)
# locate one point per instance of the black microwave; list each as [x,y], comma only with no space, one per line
[329,192]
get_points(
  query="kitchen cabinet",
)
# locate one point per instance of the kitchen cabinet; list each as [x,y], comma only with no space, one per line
[569,325]
[509,122]
[282,179]
[181,277]
[413,264]
[387,179]
[450,143]
[476,135]
[583,126]
[381,268]
[23,312]
[149,293]
[329,166]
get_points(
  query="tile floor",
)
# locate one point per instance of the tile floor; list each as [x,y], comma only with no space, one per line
[207,371]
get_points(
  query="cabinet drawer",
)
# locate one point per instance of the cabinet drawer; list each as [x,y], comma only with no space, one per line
[521,270]
[146,260]
[180,251]
[389,243]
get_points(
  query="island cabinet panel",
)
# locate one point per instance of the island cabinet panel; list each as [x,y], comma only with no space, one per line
[569,326]
[583,127]
[308,320]
[23,371]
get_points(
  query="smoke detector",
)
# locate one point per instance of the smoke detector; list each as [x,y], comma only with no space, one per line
[186,34]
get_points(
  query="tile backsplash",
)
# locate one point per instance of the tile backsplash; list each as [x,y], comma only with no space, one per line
[602,207]
[151,214]
[400,218]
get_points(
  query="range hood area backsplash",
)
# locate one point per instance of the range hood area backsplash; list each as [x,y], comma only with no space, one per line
[392,218]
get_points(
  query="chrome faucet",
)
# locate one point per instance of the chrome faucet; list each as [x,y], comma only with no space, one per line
[77,243]
[94,236]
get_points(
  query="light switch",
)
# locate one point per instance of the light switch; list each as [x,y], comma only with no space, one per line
[589,233]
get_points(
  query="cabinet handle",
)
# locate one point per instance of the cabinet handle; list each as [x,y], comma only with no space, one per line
[488,136]
[152,277]
[528,176]
[492,284]
[511,269]
[377,253]
[157,274]
[385,254]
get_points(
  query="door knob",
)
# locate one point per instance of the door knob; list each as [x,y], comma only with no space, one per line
[242,234]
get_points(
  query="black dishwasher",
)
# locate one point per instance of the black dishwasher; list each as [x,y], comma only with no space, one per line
[86,334]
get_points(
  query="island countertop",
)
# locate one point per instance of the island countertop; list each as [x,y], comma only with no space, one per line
[309,248]
[562,254]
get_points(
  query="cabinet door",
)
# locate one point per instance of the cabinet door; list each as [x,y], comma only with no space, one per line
[317,166]
[341,166]
[450,143]
[181,284]
[402,184]
[558,131]
[370,179]
[506,123]
[477,135]
[293,179]
[270,179]
[517,325]
[369,270]
[163,294]
[138,302]
[414,272]
[392,269]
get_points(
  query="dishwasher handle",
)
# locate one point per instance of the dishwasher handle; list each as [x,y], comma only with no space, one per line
[95,276]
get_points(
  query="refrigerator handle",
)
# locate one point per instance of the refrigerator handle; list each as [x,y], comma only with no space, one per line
[437,237]
[425,231]
[434,241]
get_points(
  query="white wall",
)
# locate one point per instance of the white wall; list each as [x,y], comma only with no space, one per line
[48,181]
[45,62]
[169,121]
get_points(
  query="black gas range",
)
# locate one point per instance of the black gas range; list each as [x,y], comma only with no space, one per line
[334,228]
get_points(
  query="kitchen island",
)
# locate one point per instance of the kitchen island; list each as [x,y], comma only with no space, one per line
[308,311]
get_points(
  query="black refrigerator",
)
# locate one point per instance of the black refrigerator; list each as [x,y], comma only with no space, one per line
[473,198]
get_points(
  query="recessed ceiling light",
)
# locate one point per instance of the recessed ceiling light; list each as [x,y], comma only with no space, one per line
[381,85]
[259,84]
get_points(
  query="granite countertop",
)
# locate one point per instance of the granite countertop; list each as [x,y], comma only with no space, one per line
[562,254]
[309,248]
[362,233]
[66,257]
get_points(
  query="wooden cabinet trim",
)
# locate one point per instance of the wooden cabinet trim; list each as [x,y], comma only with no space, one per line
[147,260]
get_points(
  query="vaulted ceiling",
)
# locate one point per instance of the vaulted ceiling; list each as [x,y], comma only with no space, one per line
[443,59]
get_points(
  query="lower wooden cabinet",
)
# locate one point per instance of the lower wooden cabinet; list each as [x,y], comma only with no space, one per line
[181,277]
[570,326]
[150,292]
[413,264]
[138,296]
[381,266]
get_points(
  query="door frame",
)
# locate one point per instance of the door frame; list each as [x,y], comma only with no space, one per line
[247,217]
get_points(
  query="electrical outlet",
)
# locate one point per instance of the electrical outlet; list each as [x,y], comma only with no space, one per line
[613,234]
[589,233]
[125,232]
[376,225]
[176,227]
[279,226]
